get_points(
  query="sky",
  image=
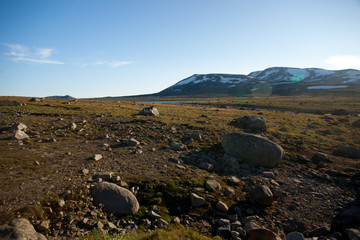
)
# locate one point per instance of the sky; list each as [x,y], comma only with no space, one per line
[93,48]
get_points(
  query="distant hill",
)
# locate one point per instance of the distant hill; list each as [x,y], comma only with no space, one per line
[62,97]
[275,80]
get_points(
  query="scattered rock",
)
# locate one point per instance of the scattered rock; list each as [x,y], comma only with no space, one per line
[97,157]
[72,126]
[20,229]
[347,151]
[20,126]
[229,191]
[295,236]
[132,142]
[20,135]
[105,176]
[262,195]
[356,123]
[61,203]
[353,234]
[224,232]
[176,146]
[252,123]
[222,207]
[196,200]
[43,226]
[212,185]
[233,181]
[320,157]
[149,111]
[269,174]
[35,100]
[116,199]
[253,149]
[340,112]
[196,136]
[263,234]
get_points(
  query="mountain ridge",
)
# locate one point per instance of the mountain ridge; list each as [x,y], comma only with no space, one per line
[274,80]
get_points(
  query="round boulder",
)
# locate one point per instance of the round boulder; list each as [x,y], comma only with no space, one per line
[252,149]
[252,123]
[20,229]
[116,199]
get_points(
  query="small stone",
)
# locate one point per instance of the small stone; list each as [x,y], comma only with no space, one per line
[269,174]
[132,142]
[73,126]
[43,226]
[61,203]
[196,136]
[99,225]
[223,222]
[229,191]
[176,220]
[85,171]
[20,126]
[162,223]
[262,195]
[222,207]
[196,200]
[233,180]
[212,185]
[295,236]
[20,135]
[97,157]
[37,163]
[154,215]
[111,225]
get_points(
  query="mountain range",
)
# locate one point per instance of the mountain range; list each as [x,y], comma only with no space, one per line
[275,80]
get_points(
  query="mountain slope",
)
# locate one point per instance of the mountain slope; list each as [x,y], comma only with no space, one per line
[276,80]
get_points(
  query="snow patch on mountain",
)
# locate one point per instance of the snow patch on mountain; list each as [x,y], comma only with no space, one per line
[327,87]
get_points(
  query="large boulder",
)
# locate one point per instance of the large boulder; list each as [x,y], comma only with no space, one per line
[252,149]
[347,151]
[20,229]
[252,123]
[11,103]
[116,199]
[149,111]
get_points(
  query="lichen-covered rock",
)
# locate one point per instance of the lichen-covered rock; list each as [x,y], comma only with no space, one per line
[252,149]
[20,229]
[116,199]
[149,111]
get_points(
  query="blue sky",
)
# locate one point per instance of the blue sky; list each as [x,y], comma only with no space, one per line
[88,48]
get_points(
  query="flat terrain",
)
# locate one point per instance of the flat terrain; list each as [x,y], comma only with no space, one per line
[36,173]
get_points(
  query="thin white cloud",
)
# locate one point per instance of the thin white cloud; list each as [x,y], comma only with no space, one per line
[21,53]
[16,50]
[344,61]
[44,52]
[34,60]
[113,64]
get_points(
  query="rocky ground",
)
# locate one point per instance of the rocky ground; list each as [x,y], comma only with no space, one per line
[178,171]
